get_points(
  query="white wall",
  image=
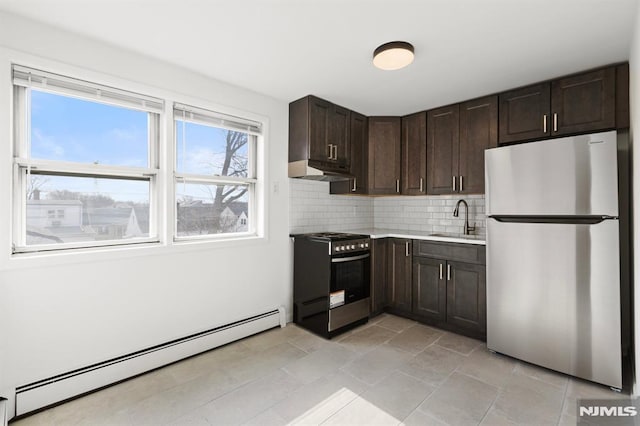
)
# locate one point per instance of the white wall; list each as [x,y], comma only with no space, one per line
[62,312]
[634,92]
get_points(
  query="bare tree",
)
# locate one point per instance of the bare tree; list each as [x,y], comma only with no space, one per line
[234,164]
[34,184]
[199,218]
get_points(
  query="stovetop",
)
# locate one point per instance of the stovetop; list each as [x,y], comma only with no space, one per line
[332,236]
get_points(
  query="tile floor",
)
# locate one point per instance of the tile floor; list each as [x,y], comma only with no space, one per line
[390,371]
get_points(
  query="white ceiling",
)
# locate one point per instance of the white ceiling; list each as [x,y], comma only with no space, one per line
[290,48]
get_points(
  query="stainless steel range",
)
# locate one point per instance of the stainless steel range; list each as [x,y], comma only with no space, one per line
[331,281]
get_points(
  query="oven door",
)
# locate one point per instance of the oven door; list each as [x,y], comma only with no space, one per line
[349,278]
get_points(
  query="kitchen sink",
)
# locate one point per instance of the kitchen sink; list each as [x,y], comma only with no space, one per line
[452,235]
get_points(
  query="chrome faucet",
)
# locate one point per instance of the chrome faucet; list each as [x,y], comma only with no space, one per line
[467,229]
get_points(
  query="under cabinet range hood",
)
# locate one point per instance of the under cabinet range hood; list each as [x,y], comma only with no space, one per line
[306,169]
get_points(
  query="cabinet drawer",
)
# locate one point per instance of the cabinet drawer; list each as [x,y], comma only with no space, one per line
[472,253]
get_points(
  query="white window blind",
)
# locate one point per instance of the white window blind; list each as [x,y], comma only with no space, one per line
[211,118]
[30,77]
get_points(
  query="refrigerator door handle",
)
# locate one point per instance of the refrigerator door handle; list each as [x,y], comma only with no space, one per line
[582,220]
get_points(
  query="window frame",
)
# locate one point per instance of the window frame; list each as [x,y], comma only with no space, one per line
[253,129]
[24,165]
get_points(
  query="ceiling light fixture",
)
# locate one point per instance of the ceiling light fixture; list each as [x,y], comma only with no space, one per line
[393,55]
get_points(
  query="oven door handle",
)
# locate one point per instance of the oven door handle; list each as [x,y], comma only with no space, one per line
[349,259]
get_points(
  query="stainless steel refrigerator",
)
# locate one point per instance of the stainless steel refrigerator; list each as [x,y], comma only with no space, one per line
[553,255]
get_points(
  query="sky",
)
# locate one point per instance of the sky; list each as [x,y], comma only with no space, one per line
[75,130]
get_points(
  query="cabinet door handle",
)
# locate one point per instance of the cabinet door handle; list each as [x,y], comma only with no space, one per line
[454,183]
[335,152]
[398,185]
[406,248]
[448,272]
[460,183]
[555,121]
[354,185]
[421,186]
[544,123]
[330,146]
[441,271]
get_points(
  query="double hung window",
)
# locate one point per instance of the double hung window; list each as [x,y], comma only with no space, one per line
[215,174]
[85,163]
[86,168]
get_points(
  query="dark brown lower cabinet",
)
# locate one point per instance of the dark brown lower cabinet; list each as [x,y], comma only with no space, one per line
[378,295]
[437,283]
[399,274]
[467,296]
[449,286]
[450,294]
[429,289]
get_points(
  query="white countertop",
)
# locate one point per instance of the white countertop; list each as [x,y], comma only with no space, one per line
[418,235]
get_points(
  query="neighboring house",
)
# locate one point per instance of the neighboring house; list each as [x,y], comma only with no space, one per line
[54,213]
[55,221]
[58,221]
[235,217]
[196,217]
[115,222]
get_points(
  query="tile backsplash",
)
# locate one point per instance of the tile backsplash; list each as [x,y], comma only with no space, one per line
[432,213]
[313,209]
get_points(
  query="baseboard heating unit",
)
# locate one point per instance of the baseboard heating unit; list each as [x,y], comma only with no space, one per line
[36,395]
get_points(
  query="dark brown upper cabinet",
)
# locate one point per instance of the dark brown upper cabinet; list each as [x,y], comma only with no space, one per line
[575,104]
[443,137]
[478,131]
[584,102]
[524,113]
[358,164]
[384,155]
[319,132]
[414,154]
[339,135]
[457,136]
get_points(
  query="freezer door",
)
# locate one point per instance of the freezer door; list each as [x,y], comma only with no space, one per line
[553,296]
[567,176]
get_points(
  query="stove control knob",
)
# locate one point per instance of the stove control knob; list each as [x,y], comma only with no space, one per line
[338,248]
[366,245]
[353,246]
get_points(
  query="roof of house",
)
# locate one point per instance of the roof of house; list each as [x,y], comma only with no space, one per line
[238,207]
[106,216]
[55,202]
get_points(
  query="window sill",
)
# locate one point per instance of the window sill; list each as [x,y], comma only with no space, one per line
[115,253]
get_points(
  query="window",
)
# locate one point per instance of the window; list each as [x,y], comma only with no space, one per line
[85,163]
[215,174]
